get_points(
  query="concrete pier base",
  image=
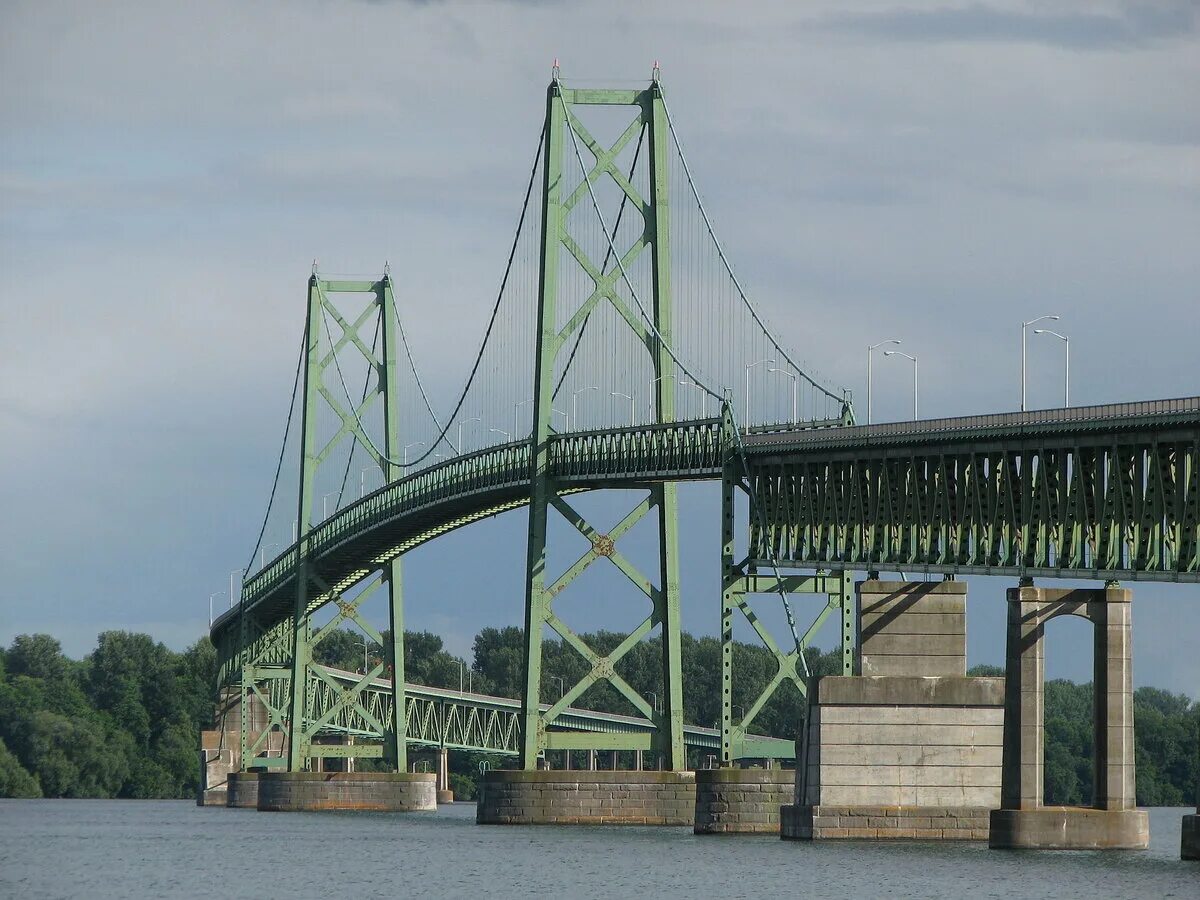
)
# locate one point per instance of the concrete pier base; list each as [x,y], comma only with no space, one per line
[445,796]
[741,801]
[1189,842]
[911,823]
[381,791]
[1069,828]
[243,790]
[556,797]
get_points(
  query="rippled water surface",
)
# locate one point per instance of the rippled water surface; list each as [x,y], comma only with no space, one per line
[113,848]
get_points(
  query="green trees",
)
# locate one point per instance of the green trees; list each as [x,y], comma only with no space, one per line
[125,720]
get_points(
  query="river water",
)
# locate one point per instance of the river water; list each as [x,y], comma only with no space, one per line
[153,849]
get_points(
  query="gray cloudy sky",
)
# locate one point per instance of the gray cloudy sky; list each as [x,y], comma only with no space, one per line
[169,171]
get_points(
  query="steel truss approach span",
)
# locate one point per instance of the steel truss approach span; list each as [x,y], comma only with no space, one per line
[461,720]
[623,353]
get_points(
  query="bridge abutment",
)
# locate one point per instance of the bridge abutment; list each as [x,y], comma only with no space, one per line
[911,748]
[557,797]
[1113,821]
[378,791]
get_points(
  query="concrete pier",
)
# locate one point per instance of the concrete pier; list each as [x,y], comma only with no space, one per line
[380,791]
[243,790]
[1189,841]
[1112,822]
[444,794]
[741,801]
[910,749]
[558,797]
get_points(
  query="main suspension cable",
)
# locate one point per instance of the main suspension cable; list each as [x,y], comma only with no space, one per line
[282,449]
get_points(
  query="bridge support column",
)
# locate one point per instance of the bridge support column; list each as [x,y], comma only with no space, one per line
[913,750]
[444,793]
[741,801]
[1112,822]
[1189,842]
[517,797]
[377,791]
[243,790]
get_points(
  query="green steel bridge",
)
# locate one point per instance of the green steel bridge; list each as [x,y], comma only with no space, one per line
[619,293]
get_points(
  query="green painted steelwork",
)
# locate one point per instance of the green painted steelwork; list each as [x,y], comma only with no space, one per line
[1105,493]
[546,491]
[437,717]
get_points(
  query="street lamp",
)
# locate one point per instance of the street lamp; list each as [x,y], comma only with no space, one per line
[703,396]
[629,397]
[795,386]
[562,689]
[565,415]
[212,597]
[362,481]
[870,349]
[459,448]
[914,362]
[363,644]
[325,506]
[239,573]
[653,382]
[407,447]
[746,393]
[1025,325]
[507,436]
[262,554]
[574,394]
[516,427]
[1067,358]
[654,700]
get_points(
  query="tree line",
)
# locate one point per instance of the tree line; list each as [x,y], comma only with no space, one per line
[125,720]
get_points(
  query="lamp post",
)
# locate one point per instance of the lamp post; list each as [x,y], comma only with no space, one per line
[507,436]
[212,597]
[362,481]
[654,700]
[262,554]
[746,392]
[560,412]
[914,362]
[325,504]
[629,397]
[459,448]
[575,394]
[239,573]
[703,396]
[407,447]
[1025,325]
[363,644]
[795,387]
[1067,359]
[870,350]
[517,406]
[653,382]
[562,688]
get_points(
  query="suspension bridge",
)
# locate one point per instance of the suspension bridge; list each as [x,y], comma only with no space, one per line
[621,352]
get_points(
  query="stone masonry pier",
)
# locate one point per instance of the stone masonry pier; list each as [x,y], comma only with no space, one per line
[912,748]
[557,797]
[379,791]
[741,801]
[243,790]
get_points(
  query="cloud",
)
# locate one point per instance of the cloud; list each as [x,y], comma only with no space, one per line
[1131,25]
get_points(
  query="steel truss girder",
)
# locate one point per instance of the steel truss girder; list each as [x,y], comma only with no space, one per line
[1098,506]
